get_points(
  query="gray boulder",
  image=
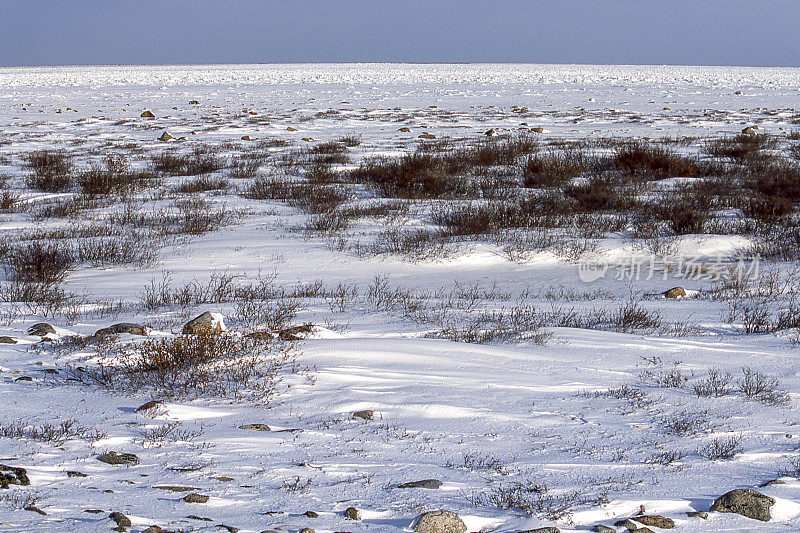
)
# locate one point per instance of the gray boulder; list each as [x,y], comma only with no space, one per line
[114,458]
[7,340]
[439,522]
[125,327]
[746,502]
[42,329]
[206,324]
[421,484]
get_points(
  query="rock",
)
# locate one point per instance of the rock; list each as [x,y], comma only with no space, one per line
[117,329]
[246,138]
[675,293]
[630,525]
[773,482]
[255,427]
[306,530]
[41,329]
[291,129]
[656,521]
[295,333]
[260,335]
[13,475]
[73,473]
[194,102]
[365,414]
[643,530]
[600,528]
[491,133]
[311,514]
[34,509]
[421,484]
[351,513]
[23,378]
[404,130]
[427,136]
[698,514]
[175,488]
[230,529]
[548,529]
[166,137]
[308,139]
[120,519]
[206,324]
[147,114]
[114,458]
[93,511]
[537,129]
[750,130]
[153,529]
[746,502]
[195,498]
[195,517]
[7,340]
[737,93]
[439,522]
[152,404]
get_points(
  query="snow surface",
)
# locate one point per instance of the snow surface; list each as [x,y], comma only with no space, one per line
[443,410]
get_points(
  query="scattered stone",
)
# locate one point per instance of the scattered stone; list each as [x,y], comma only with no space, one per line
[675,293]
[291,129]
[23,378]
[306,530]
[42,329]
[246,138]
[194,102]
[195,517]
[195,498]
[600,528]
[351,513]
[698,514]
[7,340]
[548,529]
[152,404]
[537,129]
[175,488]
[35,509]
[154,529]
[656,521]
[255,427]
[295,333]
[166,137]
[311,514]
[13,475]
[308,139]
[73,473]
[114,458]
[746,502]
[439,522]
[737,93]
[630,525]
[120,519]
[260,335]
[404,130]
[773,482]
[643,530]
[427,136]
[230,529]
[117,329]
[750,130]
[421,484]
[491,133]
[207,323]
[224,479]
[365,414]
[147,114]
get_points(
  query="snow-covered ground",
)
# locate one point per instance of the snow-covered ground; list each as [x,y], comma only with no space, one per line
[581,423]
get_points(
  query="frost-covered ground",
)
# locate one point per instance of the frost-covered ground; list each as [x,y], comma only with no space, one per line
[585,425]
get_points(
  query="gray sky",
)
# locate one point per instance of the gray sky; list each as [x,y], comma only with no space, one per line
[714,32]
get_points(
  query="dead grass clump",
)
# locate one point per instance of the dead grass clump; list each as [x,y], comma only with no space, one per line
[51,171]
[645,161]
[194,366]
[553,169]
[418,175]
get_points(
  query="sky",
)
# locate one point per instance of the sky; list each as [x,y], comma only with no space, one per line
[690,32]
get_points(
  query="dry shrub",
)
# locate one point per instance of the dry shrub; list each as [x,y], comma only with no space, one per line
[418,175]
[645,161]
[38,262]
[499,152]
[600,193]
[194,366]
[741,147]
[51,171]
[553,169]
[202,184]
